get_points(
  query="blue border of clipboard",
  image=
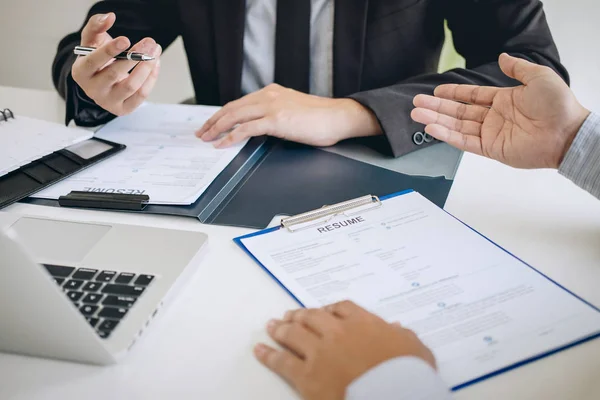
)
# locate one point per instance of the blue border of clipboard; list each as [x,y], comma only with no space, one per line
[238,241]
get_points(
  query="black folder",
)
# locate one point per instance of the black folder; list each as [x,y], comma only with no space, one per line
[46,171]
[270,177]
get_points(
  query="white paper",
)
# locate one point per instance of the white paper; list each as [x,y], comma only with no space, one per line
[163,158]
[476,306]
[23,140]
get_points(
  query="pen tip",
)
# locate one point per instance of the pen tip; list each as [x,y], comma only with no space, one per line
[147,58]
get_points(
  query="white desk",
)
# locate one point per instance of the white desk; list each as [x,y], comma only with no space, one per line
[201,346]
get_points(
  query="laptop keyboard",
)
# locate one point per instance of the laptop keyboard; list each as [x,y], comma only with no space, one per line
[103,297]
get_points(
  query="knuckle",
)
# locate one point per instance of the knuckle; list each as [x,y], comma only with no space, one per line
[144,92]
[225,121]
[475,94]
[113,75]
[301,316]
[278,361]
[462,111]
[282,332]
[127,86]
[88,63]
[459,125]
[289,315]
[347,304]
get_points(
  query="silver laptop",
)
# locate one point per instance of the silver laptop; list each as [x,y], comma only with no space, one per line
[86,292]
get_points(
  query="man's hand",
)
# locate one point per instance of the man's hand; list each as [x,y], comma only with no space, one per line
[290,115]
[324,350]
[528,126]
[109,82]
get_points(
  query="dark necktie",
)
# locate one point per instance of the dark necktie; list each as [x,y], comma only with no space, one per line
[292,44]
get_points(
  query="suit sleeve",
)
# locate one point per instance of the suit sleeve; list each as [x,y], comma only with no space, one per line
[136,19]
[482,30]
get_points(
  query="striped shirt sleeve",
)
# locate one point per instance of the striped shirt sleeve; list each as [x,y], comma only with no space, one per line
[582,161]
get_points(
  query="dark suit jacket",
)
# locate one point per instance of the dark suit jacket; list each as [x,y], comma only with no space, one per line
[385,51]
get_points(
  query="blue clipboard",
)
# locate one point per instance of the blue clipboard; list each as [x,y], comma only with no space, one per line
[548,353]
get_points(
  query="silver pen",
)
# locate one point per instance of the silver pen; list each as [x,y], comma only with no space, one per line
[126,55]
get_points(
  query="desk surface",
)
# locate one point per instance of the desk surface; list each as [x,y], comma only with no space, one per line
[200,347]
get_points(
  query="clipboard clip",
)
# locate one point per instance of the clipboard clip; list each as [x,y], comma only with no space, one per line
[105,201]
[319,216]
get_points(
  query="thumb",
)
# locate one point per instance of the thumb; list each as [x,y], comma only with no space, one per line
[93,32]
[519,69]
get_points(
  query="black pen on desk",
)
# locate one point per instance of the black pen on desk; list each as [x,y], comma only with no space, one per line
[126,55]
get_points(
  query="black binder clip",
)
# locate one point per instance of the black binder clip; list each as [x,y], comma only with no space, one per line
[105,201]
[6,114]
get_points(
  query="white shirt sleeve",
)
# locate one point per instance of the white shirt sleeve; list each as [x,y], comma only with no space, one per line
[582,162]
[403,378]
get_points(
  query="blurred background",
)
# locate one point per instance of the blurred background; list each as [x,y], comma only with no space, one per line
[31,29]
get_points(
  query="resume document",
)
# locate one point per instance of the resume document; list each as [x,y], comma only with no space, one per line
[480,309]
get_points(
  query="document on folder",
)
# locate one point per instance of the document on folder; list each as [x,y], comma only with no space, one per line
[481,310]
[163,159]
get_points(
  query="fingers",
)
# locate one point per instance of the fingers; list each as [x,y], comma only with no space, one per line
[209,132]
[468,143]
[281,362]
[452,108]
[319,321]
[97,25]
[344,309]
[119,69]
[480,95]
[429,117]
[125,88]
[250,129]
[135,100]
[519,69]
[86,67]
[292,336]
[227,120]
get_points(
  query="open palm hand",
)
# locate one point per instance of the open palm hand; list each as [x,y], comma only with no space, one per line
[528,126]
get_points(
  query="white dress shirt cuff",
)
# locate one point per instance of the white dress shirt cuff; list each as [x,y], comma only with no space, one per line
[582,161]
[403,378]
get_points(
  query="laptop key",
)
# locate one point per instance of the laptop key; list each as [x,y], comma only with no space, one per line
[119,301]
[93,321]
[73,284]
[74,296]
[123,290]
[108,325]
[106,276]
[92,286]
[59,271]
[88,310]
[84,273]
[112,313]
[103,334]
[59,281]
[92,298]
[144,280]
[124,278]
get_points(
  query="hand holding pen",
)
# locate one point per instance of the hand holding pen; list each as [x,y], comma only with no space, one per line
[126,55]
[116,77]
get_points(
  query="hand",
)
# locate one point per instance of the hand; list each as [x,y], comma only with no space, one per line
[290,115]
[324,350]
[528,126]
[107,81]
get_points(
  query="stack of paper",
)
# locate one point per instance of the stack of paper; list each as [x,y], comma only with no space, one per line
[163,159]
